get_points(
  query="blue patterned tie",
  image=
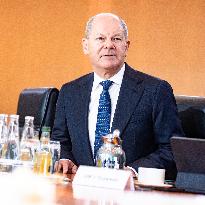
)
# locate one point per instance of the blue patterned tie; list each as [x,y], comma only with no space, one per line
[103,117]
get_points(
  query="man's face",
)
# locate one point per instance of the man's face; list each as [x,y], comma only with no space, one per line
[106,45]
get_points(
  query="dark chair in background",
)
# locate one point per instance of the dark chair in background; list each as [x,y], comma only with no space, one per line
[191,111]
[39,103]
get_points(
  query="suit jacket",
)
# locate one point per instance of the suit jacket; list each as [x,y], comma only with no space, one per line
[146,115]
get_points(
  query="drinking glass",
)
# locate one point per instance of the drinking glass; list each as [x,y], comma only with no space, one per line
[55,154]
[46,159]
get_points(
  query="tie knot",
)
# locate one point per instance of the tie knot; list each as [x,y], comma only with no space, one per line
[106,84]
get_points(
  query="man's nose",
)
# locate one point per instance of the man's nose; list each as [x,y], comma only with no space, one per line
[109,43]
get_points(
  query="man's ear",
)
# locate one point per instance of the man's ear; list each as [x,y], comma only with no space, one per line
[127,45]
[85,46]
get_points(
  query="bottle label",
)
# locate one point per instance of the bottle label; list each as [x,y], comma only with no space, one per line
[12,151]
[108,161]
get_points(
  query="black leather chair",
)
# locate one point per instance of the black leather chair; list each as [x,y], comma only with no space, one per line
[191,111]
[39,103]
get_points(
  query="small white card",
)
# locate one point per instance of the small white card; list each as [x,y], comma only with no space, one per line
[104,178]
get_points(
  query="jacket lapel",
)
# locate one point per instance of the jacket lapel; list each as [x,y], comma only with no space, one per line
[130,93]
[85,89]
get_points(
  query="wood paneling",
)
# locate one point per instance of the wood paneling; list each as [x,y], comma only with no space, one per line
[40,42]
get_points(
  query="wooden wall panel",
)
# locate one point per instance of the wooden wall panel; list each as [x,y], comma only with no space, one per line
[40,42]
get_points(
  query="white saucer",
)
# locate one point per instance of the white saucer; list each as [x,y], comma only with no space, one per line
[153,185]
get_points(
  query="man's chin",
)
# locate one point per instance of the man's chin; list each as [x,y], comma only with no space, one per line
[110,66]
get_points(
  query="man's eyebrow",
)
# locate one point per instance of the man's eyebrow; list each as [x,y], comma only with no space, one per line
[118,34]
[100,34]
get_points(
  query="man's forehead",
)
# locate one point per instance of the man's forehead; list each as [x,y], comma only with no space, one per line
[107,25]
[109,15]
[106,19]
[112,34]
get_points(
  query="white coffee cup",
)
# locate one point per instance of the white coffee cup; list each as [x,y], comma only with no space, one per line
[151,176]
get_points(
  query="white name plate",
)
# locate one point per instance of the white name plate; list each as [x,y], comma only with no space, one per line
[104,178]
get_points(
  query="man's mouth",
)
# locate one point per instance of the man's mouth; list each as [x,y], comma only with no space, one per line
[107,55]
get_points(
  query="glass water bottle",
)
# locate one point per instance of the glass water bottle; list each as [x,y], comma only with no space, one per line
[111,154]
[3,135]
[45,138]
[13,138]
[26,145]
[45,152]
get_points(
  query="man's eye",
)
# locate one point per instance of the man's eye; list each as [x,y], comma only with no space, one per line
[100,39]
[117,39]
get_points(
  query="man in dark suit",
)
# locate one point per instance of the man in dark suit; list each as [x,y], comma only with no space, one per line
[143,107]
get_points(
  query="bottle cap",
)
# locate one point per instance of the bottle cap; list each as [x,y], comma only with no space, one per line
[116,133]
[46,129]
[29,118]
[14,116]
[3,116]
[116,137]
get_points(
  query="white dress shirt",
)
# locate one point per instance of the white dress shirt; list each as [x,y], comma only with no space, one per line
[94,101]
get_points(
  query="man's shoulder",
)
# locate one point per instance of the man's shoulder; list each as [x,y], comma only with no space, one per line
[143,77]
[78,82]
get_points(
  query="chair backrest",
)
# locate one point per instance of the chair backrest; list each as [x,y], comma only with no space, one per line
[191,111]
[39,103]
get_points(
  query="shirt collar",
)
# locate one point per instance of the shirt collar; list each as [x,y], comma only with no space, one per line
[117,78]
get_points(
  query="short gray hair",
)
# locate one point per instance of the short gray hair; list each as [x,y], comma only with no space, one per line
[89,24]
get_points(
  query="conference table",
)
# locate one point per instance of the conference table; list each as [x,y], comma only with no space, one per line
[66,193]
[23,187]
